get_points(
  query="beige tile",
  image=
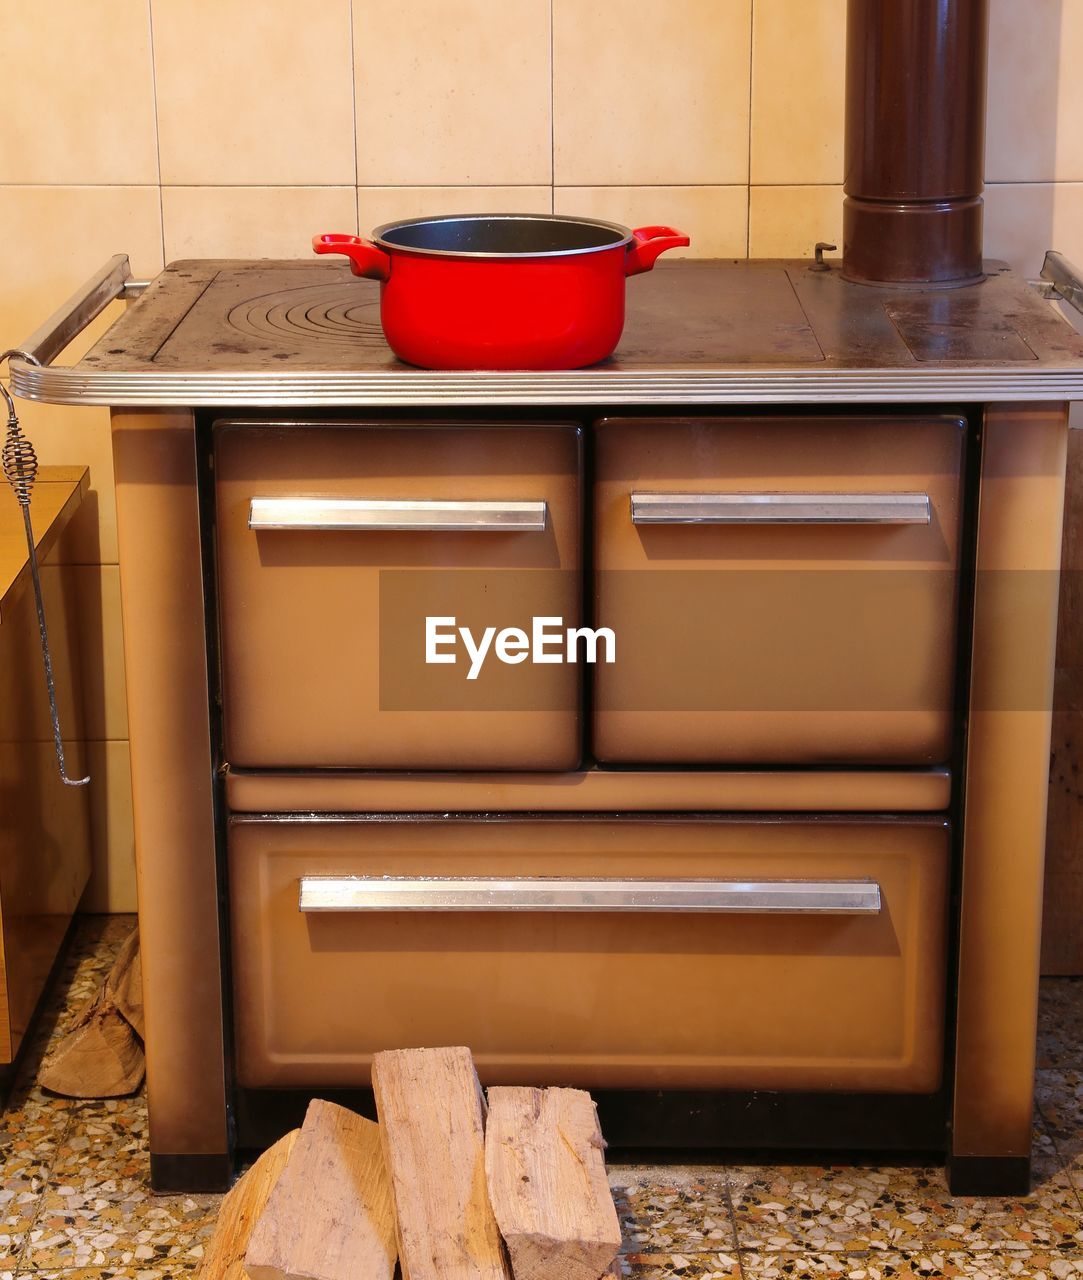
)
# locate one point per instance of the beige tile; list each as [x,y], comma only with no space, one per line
[112,876]
[786,222]
[452,94]
[254,94]
[798,91]
[100,647]
[714,218]
[647,94]
[71,112]
[1023,220]
[53,238]
[376,205]
[1036,94]
[252,222]
[65,435]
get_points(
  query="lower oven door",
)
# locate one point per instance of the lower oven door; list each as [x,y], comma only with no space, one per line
[679,952]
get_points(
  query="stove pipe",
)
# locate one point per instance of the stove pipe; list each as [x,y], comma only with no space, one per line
[915,141]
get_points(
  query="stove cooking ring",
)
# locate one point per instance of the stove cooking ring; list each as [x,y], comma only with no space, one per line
[331,314]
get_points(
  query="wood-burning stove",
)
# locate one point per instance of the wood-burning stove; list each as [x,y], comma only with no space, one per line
[772,879]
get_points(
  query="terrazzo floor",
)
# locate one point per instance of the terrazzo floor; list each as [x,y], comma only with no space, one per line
[74,1198]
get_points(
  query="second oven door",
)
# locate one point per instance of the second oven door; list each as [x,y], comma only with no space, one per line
[338,542]
[782,590]
[681,953]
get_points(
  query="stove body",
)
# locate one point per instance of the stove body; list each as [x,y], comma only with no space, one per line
[826,733]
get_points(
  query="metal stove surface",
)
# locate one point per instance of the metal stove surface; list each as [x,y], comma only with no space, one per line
[233,333]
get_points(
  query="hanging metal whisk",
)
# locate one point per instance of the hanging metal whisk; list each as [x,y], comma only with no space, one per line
[20,465]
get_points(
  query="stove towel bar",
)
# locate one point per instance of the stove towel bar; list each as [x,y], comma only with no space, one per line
[521,894]
[110,282]
[1063,279]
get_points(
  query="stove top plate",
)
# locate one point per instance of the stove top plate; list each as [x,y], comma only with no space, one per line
[319,316]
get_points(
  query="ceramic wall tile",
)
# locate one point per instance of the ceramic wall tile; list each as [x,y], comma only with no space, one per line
[376,205]
[453,94]
[54,238]
[644,94]
[252,222]
[254,94]
[1022,220]
[787,222]
[1035,91]
[798,91]
[112,874]
[714,218]
[77,93]
[100,645]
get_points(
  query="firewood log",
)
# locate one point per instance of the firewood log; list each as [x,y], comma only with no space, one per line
[431,1121]
[330,1215]
[240,1210]
[547,1183]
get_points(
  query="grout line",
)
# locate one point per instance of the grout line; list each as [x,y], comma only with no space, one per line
[751,73]
[409,186]
[353,100]
[552,109]
[157,137]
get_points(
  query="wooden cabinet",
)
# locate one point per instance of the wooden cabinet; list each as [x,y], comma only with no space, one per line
[44,825]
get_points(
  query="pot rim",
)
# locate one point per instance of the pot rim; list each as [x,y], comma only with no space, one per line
[379,232]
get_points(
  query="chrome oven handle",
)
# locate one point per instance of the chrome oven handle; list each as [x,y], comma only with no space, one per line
[781,508]
[519,894]
[389,515]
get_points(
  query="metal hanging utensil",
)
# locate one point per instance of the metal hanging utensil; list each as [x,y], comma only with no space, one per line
[20,465]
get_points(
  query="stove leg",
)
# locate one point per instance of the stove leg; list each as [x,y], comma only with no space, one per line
[154,456]
[1007,783]
[190,1174]
[989,1175]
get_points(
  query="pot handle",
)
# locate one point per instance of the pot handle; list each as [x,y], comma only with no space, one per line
[648,243]
[365,258]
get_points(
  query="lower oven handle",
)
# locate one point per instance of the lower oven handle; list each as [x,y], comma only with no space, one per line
[517,894]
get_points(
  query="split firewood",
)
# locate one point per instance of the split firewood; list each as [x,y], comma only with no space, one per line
[239,1212]
[431,1113]
[124,985]
[330,1215]
[100,1057]
[547,1183]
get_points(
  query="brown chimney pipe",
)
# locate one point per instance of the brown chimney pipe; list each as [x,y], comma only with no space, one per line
[915,141]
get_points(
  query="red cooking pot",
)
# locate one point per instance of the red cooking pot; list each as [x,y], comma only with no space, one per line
[502,291]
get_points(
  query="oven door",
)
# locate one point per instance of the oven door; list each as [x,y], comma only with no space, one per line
[782,590]
[678,952]
[339,542]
